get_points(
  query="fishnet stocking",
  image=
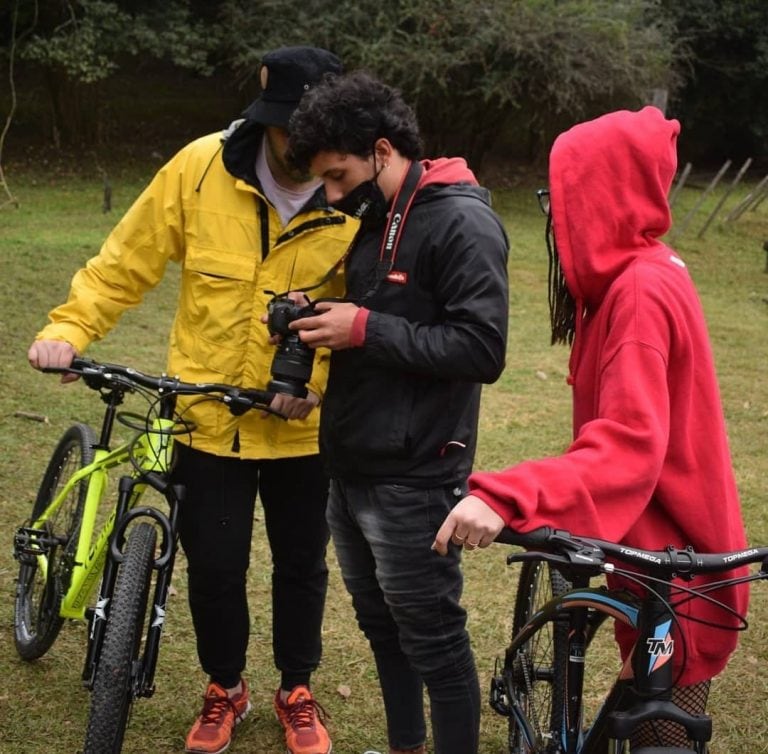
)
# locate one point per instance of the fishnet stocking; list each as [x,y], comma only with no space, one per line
[666,733]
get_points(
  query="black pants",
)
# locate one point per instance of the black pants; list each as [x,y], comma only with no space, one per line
[216,522]
[407,602]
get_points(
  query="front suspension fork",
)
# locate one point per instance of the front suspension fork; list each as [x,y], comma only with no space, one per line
[98,617]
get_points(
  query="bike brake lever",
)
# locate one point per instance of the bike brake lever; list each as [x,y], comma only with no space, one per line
[577,554]
[519,557]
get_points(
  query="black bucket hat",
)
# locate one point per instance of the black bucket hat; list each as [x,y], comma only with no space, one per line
[286,74]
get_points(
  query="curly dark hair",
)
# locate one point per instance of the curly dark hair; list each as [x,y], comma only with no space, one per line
[347,114]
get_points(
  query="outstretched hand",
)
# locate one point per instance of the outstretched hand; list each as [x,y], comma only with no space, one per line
[472,524]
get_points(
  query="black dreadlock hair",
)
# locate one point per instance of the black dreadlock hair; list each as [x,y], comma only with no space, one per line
[562,305]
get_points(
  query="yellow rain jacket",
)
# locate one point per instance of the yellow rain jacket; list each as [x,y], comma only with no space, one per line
[232,247]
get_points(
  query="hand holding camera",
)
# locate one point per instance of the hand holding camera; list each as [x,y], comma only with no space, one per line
[329,326]
[292,362]
[321,323]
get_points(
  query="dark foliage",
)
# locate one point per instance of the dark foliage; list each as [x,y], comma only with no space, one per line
[487,78]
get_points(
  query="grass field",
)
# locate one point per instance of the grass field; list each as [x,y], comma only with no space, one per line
[60,224]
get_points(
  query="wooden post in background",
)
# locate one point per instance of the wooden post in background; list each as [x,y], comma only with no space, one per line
[678,230]
[680,183]
[659,98]
[733,185]
[756,196]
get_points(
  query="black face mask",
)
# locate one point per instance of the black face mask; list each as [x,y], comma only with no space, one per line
[365,202]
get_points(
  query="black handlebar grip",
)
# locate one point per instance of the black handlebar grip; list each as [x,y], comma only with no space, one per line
[535,538]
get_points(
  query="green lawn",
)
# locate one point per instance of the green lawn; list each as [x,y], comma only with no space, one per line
[60,224]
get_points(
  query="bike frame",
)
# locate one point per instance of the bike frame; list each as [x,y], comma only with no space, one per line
[98,557]
[647,697]
[154,452]
[134,561]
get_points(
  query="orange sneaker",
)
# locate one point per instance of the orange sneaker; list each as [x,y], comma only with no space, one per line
[303,721]
[212,731]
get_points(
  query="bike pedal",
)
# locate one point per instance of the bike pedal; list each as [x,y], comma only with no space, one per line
[29,544]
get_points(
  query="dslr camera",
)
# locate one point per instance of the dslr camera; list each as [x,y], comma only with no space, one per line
[292,363]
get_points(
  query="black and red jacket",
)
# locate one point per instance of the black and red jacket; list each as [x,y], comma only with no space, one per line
[403,406]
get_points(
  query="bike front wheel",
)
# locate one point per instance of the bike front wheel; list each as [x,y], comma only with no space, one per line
[535,674]
[39,590]
[114,687]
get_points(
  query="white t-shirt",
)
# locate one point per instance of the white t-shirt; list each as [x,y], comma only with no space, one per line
[286,201]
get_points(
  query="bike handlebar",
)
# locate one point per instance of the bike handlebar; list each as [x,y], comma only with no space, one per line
[560,546]
[99,375]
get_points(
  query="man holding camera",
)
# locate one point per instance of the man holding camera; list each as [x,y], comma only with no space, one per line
[424,323]
[241,222]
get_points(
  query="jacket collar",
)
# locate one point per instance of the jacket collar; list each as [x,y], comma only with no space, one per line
[241,143]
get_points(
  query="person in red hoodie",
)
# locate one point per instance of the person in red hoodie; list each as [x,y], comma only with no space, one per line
[424,325]
[649,464]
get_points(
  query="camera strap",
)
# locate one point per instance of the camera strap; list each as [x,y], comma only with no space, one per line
[401,205]
[323,280]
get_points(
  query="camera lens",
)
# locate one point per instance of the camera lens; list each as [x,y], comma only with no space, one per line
[291,367]
[292,362]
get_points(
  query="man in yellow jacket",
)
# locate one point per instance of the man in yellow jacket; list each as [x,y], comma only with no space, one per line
[241,222]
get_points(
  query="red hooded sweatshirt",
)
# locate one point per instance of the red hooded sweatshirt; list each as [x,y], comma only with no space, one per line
[649,464]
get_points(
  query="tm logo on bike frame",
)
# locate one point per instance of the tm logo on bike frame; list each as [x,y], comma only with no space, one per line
[661,647]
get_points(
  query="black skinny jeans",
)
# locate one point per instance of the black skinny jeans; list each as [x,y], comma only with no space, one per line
[216,523]
[407,601]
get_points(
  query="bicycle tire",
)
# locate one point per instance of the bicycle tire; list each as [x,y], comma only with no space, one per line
[536,675]
[113,687]
[38,598]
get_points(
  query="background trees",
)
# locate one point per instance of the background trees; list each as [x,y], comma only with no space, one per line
[488,78]
[478,71]
[74,47]
[724,97]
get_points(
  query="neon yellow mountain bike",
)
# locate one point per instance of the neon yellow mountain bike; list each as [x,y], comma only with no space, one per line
[63,555]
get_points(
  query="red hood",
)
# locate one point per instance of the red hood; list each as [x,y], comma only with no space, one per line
[446,171]
[609,179]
